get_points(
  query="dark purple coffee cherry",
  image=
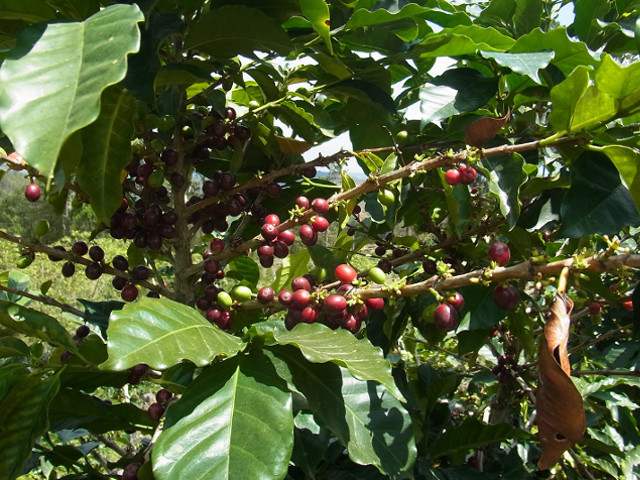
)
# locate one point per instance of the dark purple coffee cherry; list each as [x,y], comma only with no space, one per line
[96,253]
[155,411]
[120,262]
[445,317]
[129,292]
[266,295]
[93,271]
[140,272]
[79,248]
[118,282]
[68,269]
[55,258]
[83,331]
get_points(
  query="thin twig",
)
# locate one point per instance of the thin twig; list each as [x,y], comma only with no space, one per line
[46,300]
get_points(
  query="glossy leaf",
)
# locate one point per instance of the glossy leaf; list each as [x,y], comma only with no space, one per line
[320,344]
[569,54]
[233,421]
[506,176]
[244,268]
[371,423]
[106,151]
[317,11]
[528,63]
[463,40]
[616,80]
[51,85]
[597,202]
[34,324]
[363,17]
[565,96]
[292,266]
[161,333]
[586,14]
[593,108]
[233,30]
[23,416]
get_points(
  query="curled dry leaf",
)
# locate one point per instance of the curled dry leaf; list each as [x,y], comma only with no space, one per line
[560,418]
[481,131]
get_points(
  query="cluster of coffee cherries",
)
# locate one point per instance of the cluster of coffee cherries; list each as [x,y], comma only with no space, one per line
[506,364]
[464,174]
[505,295]
[305,303]
[93,271]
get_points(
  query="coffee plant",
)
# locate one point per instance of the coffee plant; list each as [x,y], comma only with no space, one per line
[454,296]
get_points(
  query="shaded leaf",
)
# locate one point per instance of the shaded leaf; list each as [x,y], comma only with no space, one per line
[482,130]
[33,323]
[233,421]
[373,425]
[233,30]
[292,266]
[319,344]
[292,146]
[97,313]
[13,347]
[596,202]
[627,161]
[106,151]
[161,333]
[50,86]
[561,420]
[527,15]
[471,434]
[32,12]
[23,418]
[506,176]
[244,268]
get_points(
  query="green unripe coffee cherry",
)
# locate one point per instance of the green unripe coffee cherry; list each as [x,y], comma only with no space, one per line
[157,144]
[402,135]
[376,275]
[240,293]
[24,261]
[320,273]
[386,197]
[156,179]
[224,300]
[253,104]
[41,228]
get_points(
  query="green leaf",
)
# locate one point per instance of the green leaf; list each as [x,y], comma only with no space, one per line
[371,423]
[363,17]
[527,15]
[293,266]
[18,281]
[73,409]
[23,419]
[586,14]
[234,421]
[317,11]
[97,313]
[106,151]
[565,97]
[593,108]
[627,161]
[472,91]
[50,85]
[568,54]
[32,11]
[244,268]
[506,176]
[13,347]
[523,63]
[319,344]
[596,202]
[234,30]
[10,375]
[470,435]
[34,324]
[616,80]
[161,333]
[463,40]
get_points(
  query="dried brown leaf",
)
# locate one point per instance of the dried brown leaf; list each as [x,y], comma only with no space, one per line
[560,417]
[481,131]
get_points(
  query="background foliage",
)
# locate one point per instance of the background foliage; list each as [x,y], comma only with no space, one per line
[541,97]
